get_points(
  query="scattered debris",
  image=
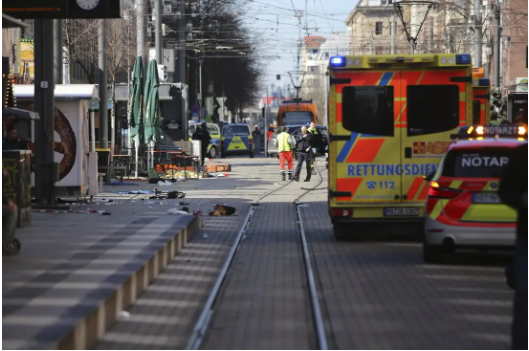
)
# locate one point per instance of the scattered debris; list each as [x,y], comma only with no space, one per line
[104,212]
[176,211]
[222,211]
[176,195]
[185,209]
[205,236]
[197,213]
[182,203]
[123,315]
[134,192]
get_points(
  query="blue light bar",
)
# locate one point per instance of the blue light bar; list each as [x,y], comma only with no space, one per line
[484,82]
[463,59]
[337,61]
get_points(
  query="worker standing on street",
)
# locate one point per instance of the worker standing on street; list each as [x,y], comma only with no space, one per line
[316,138]
[513,192]
[284,148]
[304,149]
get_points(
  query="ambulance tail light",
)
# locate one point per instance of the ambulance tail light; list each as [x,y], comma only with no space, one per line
[522,130]
[251,141]
[438,191]
[341,212]
[337,61]
[463,59]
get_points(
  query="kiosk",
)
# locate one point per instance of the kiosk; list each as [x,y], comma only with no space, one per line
[77,160]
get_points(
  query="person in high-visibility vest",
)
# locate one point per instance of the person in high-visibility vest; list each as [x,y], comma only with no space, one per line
[284,148]
[312,130]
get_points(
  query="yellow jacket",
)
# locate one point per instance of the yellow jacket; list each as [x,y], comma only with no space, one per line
[283,143]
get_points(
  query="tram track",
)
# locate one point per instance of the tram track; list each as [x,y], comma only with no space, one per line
[201,327]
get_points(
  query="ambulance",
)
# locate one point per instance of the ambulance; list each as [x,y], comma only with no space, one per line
[390,122]
[480,97]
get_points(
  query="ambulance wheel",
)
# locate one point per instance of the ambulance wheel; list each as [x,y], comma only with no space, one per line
[340,231]
[251,154]
[431,254]
[213,152]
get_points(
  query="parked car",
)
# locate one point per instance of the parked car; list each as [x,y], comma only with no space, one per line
[236,139]
[214,132]
[295,131]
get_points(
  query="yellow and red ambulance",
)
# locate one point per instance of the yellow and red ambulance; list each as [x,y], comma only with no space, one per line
[390,122]
[480,98]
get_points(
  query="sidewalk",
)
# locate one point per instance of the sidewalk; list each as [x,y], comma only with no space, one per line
[54,292]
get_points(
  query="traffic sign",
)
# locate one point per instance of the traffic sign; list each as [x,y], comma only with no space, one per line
[221,100]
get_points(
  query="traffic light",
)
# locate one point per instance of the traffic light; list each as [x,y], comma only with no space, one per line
[496,98]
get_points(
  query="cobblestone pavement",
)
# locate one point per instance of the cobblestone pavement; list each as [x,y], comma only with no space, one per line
[165,314]
[264,302]
[380,295]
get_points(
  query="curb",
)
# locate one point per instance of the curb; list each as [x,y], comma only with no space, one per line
[97,322]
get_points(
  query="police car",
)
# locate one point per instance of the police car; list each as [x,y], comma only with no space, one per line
[463,209]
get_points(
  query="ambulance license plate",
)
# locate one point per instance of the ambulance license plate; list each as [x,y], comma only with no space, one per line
[401,211]
[486,198]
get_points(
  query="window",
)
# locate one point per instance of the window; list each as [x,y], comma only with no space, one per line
[378,28]
[314,51]
[230,131]
[322,131]
[479,163]
[297,117]
[476,112]
[368,110]
[432,109]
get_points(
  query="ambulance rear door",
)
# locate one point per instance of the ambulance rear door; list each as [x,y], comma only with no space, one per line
[364,144]
[434,105]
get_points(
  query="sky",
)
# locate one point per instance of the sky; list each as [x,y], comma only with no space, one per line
[276,29]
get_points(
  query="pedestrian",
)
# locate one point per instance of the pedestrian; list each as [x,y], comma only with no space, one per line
[13,142]
[202,134]
[9,218]
[513,192]
[316,143]
[284,148]
[269,133]
[303,147]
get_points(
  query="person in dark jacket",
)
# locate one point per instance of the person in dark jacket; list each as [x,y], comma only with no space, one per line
[303,148]
[202,134]
[13,142]
[513,192]
[9,218]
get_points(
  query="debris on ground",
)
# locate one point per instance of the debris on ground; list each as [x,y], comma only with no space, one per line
[220,210]
[185,209]
[205,236]
[123,315]
[176,211]
[182,203]
[121,184]
[104,212]
[134,192]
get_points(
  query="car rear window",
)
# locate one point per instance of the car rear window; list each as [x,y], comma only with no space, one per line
[213,129]
[236,131]
[432,108]
[368,109]
[479,163]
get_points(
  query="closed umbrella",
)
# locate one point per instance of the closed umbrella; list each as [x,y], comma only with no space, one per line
[135,107]
[151,102]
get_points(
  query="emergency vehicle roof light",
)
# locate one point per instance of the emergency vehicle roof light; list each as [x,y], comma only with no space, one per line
[484,82]
[492,131]
[337,61]
[463,59]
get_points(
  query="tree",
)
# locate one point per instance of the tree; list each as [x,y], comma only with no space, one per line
[221,41]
